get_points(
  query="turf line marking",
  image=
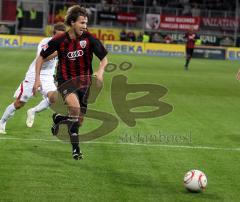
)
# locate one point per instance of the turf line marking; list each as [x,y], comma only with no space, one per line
[168,146]
[126,143]
[29,139]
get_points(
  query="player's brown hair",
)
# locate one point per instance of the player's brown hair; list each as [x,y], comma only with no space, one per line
[59,27]
[73,13]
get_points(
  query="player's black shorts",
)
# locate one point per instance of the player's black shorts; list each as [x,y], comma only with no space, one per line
[189,51]
[67,87]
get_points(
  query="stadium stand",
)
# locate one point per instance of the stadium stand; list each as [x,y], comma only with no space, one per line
[213,18]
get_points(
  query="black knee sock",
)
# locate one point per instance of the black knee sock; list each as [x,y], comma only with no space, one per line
[73,129]
[75,142]
[57,118]
[187,62]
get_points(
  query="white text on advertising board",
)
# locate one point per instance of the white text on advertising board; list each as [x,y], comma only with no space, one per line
[124,48]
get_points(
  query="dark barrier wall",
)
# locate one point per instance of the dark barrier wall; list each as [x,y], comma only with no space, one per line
[210,53]
[7,28]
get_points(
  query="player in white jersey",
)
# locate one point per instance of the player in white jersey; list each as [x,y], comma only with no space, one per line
[25,89]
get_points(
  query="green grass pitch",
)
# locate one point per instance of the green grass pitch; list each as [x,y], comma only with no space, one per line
[206,105]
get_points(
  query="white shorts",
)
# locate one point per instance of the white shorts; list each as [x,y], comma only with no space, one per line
[24,91]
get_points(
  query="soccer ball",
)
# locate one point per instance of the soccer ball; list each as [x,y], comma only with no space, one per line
[195,181]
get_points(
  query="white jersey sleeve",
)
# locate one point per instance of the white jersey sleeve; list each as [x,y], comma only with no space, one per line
[42,44]
[48,67]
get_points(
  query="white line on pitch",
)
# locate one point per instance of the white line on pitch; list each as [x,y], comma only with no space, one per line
[29,139]
[126,143]
[168,146]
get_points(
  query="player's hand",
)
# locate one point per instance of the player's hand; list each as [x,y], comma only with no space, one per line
[238,76]
[99,75]
[37,85]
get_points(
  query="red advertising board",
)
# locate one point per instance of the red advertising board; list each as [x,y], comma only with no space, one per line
[179,22]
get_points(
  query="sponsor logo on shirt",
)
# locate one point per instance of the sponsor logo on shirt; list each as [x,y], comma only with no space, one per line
[75,54]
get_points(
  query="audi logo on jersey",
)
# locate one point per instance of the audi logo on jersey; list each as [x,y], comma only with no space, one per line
[75,54]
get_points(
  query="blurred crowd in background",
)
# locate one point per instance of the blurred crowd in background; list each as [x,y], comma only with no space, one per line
[215,20]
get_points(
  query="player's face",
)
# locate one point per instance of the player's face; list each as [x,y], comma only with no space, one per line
[80,25]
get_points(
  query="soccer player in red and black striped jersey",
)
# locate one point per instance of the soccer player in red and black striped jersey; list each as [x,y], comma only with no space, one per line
[75,49]
[190,37]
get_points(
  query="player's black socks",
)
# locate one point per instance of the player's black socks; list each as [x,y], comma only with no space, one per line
[75,143]
[57,118]
[187,62]
[73,129]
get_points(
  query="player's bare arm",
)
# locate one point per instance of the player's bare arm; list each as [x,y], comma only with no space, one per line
[238,75]
[39,62]
[37,84]
[99,73]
